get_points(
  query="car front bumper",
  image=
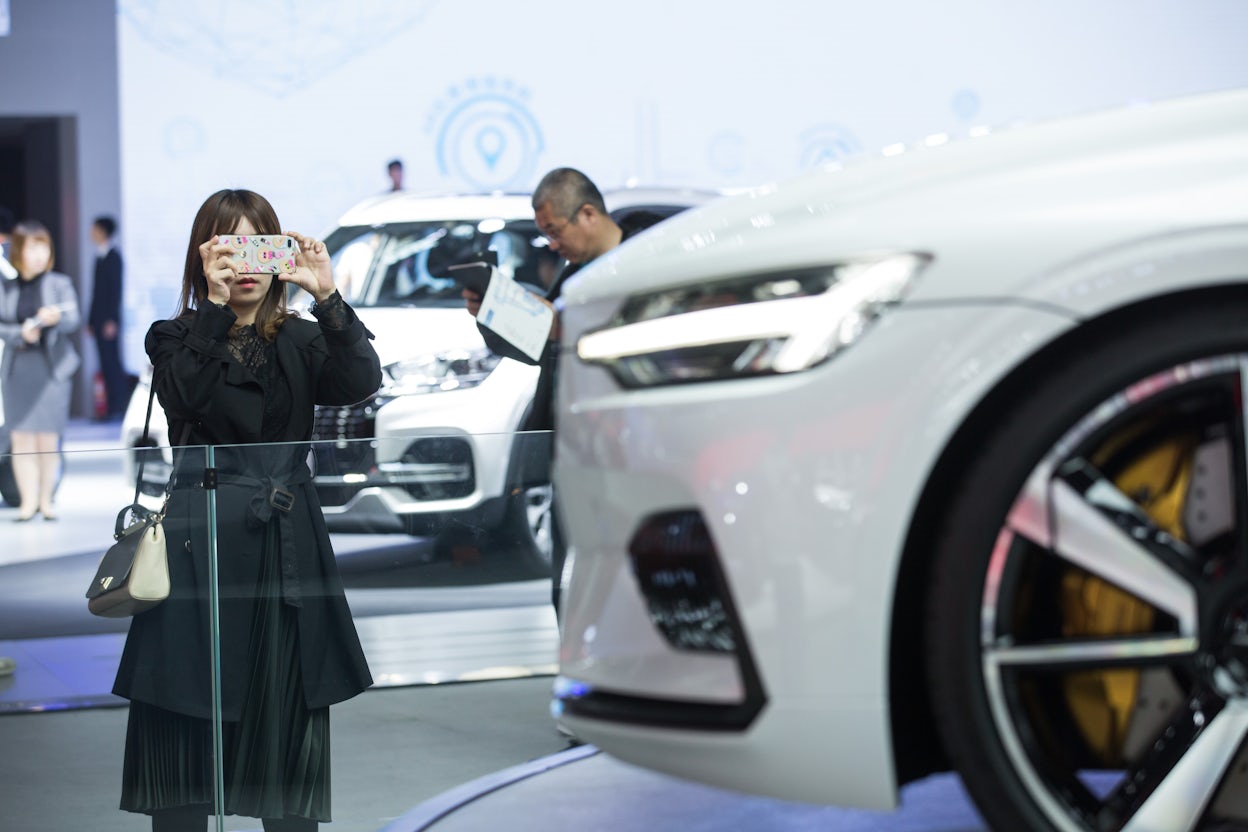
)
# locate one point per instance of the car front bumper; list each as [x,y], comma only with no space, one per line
[806,484]
[425,458]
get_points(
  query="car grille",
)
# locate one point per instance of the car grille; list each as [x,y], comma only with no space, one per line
[353,422]
[339,449]
[431,468]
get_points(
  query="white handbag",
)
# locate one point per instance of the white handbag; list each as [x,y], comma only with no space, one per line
[133,575]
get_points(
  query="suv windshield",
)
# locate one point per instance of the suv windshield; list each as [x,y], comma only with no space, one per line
[405,264]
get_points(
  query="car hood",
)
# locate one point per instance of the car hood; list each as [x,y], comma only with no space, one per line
[404,332]
[974,204]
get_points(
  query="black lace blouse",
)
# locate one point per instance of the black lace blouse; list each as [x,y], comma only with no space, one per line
[260,357]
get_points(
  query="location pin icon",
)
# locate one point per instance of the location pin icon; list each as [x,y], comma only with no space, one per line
[490,145]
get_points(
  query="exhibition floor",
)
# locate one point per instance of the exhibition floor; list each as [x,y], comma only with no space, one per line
[413,754]
[476,757]
[584,789]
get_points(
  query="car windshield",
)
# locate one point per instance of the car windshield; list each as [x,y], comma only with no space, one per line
[405,264]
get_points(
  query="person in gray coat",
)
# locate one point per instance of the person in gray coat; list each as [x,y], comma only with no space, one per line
[38,315]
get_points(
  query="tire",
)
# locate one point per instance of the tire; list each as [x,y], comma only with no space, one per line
[156,471]
[526,529]
[8,485]
[1087,635]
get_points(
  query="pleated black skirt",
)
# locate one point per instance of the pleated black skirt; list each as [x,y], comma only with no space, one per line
[275,758]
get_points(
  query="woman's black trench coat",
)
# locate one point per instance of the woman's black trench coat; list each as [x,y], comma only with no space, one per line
[167,658]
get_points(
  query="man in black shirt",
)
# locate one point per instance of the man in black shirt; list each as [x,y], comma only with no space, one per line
[572,214]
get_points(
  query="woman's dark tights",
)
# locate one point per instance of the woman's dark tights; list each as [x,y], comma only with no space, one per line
[195,819]
[290,825]
[181,819]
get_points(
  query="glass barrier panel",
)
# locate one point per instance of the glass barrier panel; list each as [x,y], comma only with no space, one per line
[394,593]
[97,700]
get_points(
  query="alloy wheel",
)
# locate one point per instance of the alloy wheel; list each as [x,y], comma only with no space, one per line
[1113,627]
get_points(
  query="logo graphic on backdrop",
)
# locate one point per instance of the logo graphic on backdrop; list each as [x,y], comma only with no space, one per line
[486,136]
[825,144]
[965,104]
[184,137]
[726,153]
[276,45]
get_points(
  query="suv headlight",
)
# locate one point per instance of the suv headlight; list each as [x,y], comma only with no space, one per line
[749,326]
[437,372]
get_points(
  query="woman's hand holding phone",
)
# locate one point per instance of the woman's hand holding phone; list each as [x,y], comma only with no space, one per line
[314,273]
[313,270]
[219,269]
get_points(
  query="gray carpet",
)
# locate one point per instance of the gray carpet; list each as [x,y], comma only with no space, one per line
[392,749]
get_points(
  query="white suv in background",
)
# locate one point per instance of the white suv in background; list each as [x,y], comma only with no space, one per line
[435,450]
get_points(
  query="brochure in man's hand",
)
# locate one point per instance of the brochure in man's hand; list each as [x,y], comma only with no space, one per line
[516,314]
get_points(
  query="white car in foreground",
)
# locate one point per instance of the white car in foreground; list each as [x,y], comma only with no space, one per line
[932,461]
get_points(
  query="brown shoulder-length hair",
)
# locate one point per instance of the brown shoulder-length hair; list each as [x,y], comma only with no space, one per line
[24,232]
[220,214]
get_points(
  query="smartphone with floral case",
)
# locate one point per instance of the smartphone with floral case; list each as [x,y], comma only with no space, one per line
[262,253]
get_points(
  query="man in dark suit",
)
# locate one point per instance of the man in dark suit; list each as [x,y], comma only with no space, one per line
[104,320]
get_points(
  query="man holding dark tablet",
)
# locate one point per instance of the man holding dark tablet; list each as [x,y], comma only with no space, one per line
[572,215]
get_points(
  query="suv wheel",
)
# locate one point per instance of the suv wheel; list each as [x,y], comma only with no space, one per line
[526,528]
[8,485]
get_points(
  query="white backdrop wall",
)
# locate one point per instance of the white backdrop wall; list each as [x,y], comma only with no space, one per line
[306,101]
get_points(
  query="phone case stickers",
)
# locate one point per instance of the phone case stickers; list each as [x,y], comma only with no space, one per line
[262,253]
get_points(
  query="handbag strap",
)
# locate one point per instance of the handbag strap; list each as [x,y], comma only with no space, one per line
[147,426]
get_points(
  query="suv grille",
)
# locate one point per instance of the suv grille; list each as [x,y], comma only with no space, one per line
[342,457]
[353,422]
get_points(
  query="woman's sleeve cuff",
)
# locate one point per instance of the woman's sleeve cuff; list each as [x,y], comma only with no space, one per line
[338,320]
[210,325]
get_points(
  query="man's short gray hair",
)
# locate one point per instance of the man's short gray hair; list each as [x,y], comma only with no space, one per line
[567,189]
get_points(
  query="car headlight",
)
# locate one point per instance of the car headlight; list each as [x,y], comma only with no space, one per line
[437,372]
[758,325]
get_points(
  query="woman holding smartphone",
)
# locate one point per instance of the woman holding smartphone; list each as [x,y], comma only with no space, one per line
[38,314]
[237,371]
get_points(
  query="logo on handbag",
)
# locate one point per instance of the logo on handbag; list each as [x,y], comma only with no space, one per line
[104,582]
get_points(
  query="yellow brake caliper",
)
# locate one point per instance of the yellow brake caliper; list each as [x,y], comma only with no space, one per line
[1102,701]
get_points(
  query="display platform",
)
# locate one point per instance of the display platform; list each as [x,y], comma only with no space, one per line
[583,788]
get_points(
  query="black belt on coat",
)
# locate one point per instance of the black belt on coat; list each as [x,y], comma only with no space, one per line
[272,497]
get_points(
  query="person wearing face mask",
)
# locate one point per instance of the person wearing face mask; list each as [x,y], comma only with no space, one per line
[236,370]
[38,314]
